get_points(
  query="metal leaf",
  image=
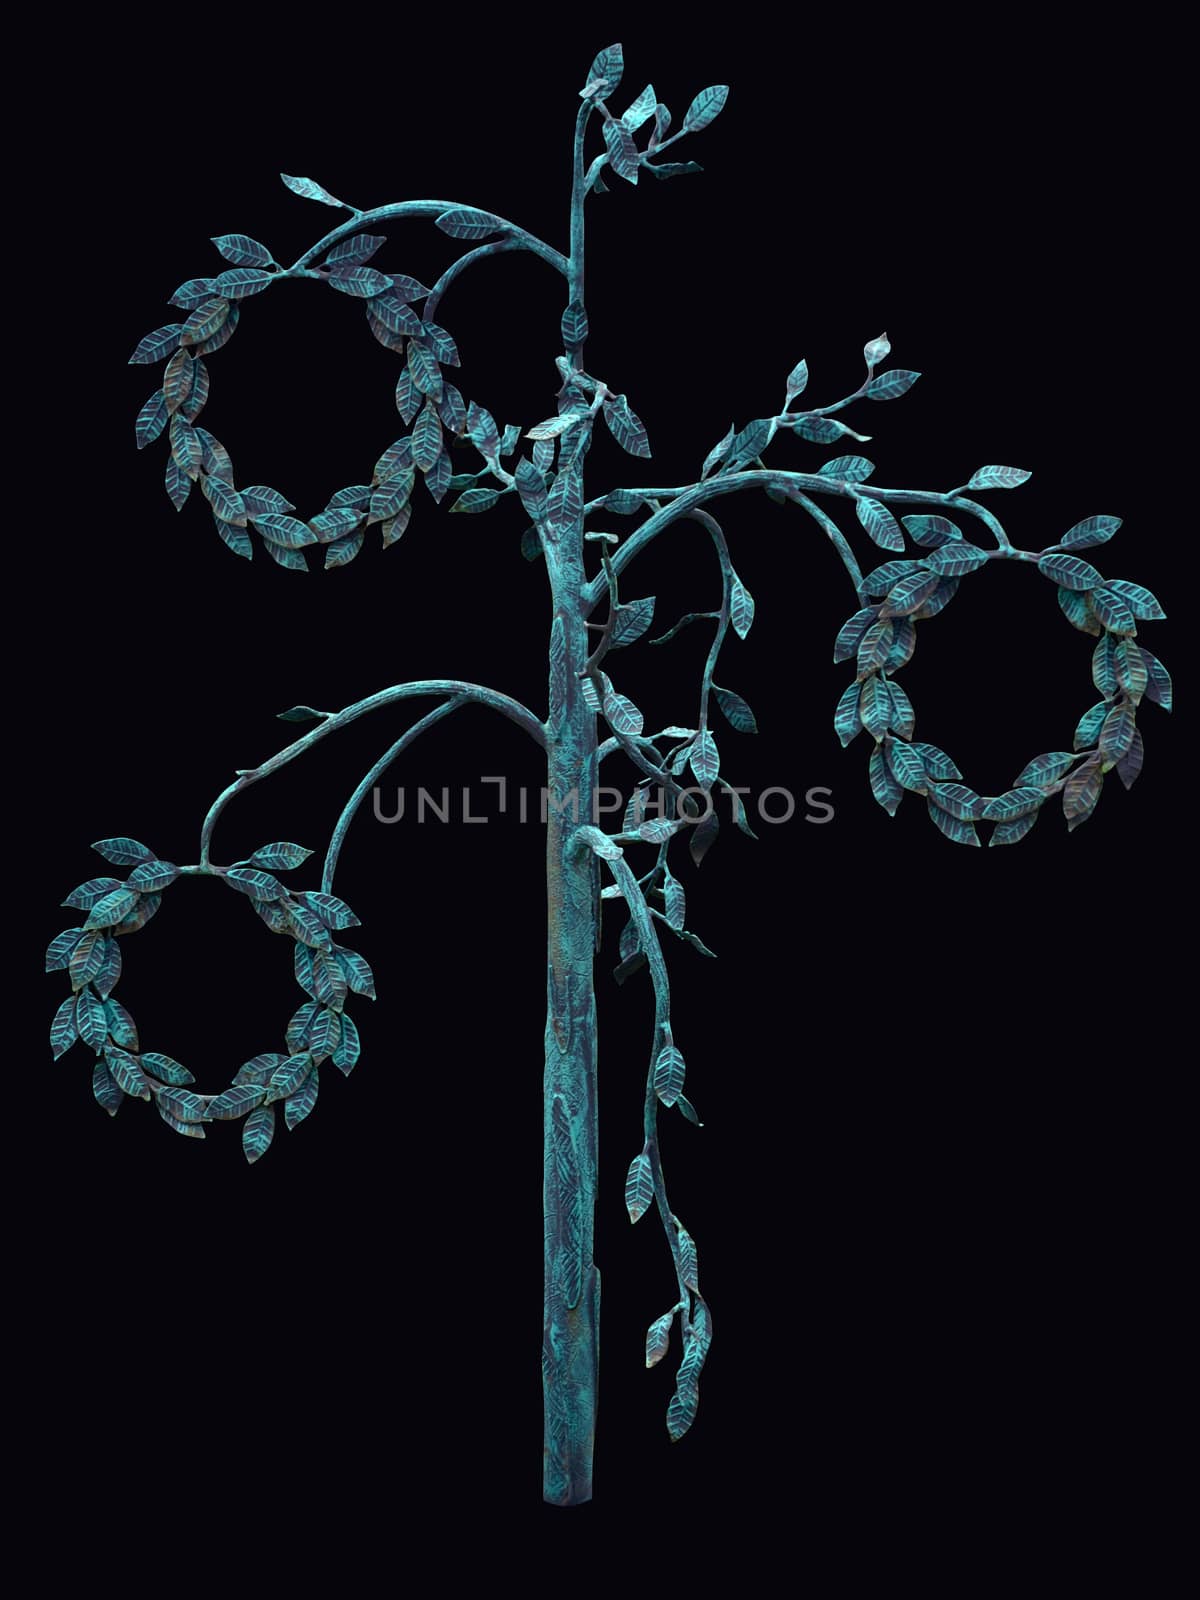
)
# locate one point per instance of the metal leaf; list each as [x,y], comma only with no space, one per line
[158,345]
[705,108]
[880,524]
[741,607]
[639,1187]
[998,478]
[737,713]
[300,1105]
[626,427]
[467,223]
[355,250]
[165,1068]
[1069,572]
[658,1338]
[669,1073]
[1091,531]
[257,1132]
[308,190]
[236,1101]
[242,250]
[361,283]
[890,385]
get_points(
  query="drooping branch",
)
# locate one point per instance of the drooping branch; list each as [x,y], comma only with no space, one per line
[451,687]
[648,937]
[646,1180]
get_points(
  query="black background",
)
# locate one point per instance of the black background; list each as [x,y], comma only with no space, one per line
[928,1188]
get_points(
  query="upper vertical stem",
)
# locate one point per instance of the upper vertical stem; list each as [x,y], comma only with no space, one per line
[578,188]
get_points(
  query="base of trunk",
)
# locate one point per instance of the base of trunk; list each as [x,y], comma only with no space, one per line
[570,1368]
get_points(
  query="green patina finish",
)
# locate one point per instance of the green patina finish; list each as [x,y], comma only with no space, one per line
[682,761]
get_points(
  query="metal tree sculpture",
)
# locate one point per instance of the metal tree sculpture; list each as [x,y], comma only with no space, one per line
[549,482]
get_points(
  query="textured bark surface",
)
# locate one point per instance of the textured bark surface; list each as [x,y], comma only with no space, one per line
[570,1347]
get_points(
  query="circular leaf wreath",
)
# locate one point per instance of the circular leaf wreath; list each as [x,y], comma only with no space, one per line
[319,1031]
[431,405]
[882,637]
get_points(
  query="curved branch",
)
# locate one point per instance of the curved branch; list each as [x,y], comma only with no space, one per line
[450,687]
[624,741]
[593,172]
[684,500]
[838,540]
[519,238]
[495,247]
[990,521]
[718,538]
[629,745]
[606,633]
[372,777]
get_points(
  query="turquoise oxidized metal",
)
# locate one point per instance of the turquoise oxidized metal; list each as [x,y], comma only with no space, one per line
[543,468]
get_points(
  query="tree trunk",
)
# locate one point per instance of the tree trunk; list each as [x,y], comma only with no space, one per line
[571,1331]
